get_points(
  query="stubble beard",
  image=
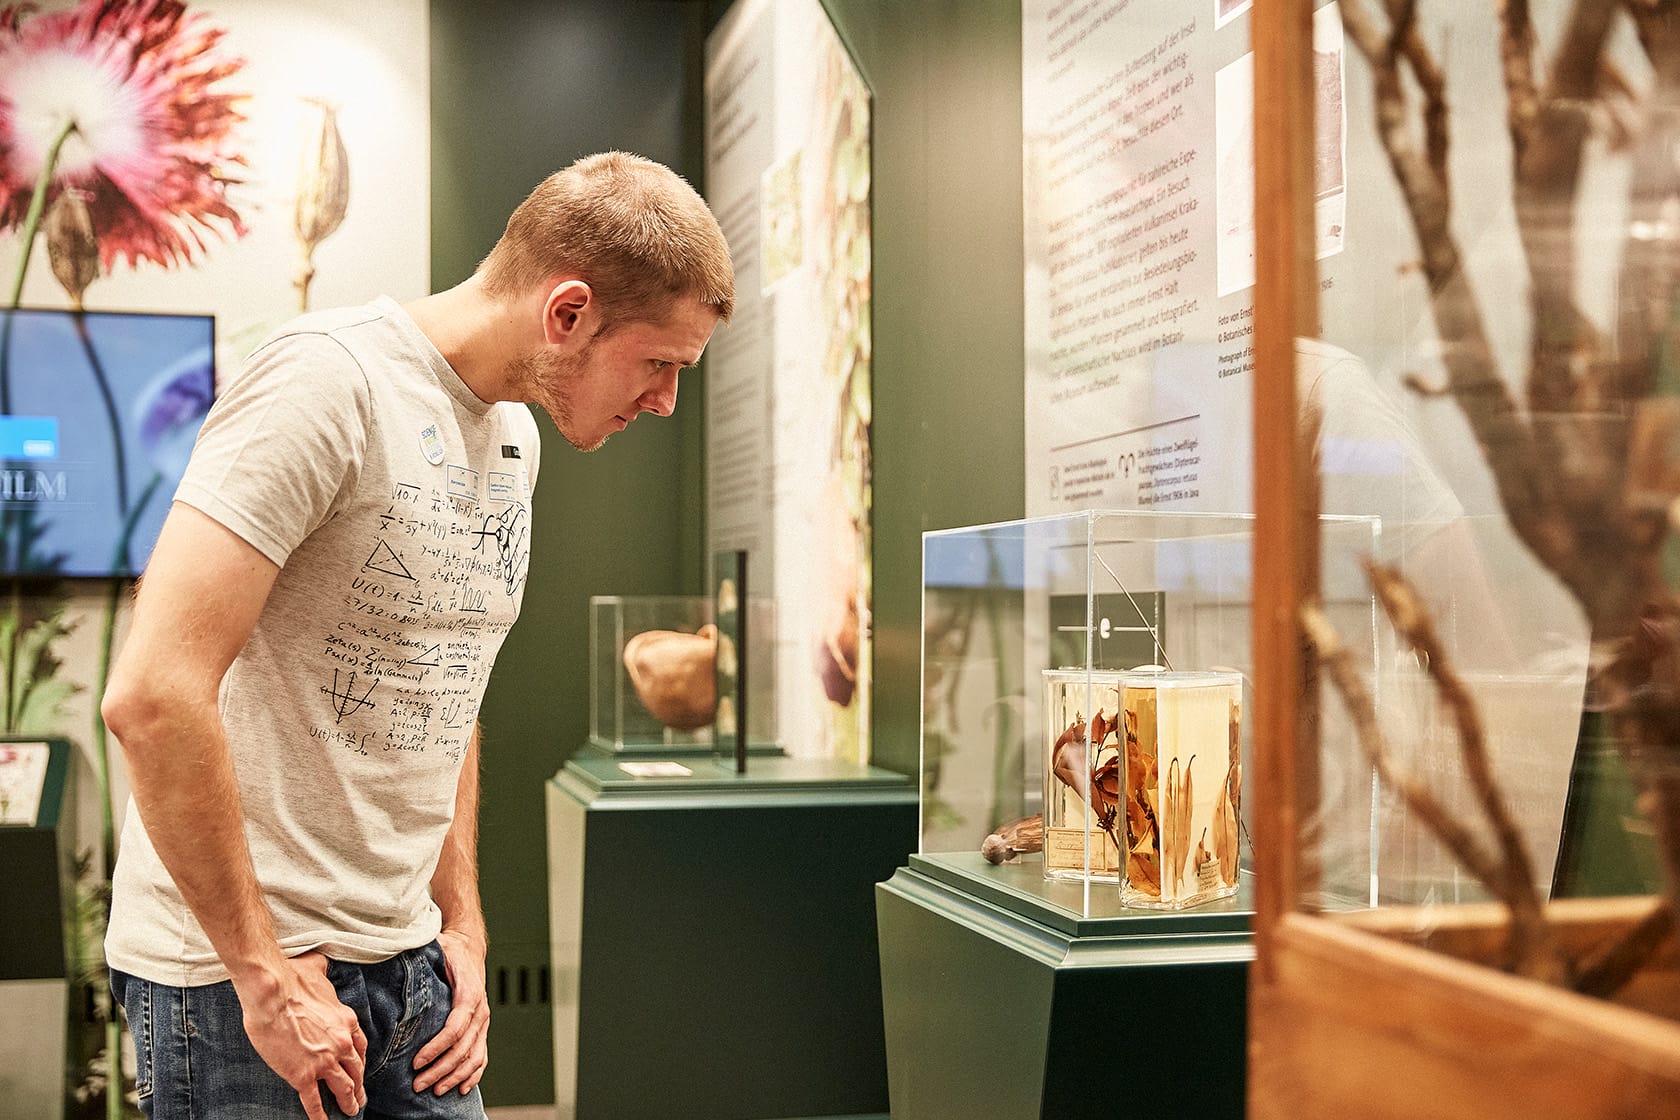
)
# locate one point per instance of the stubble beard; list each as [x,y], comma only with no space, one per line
[550,386]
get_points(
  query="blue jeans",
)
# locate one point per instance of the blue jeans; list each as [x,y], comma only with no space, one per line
[194,1061]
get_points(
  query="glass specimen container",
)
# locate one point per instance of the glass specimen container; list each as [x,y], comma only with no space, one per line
[650,671]
[652,668]
[1181,778]
[1033,635]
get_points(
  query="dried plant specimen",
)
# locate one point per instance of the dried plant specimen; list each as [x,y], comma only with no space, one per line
[673,674]
[1015,838]
[1582,478]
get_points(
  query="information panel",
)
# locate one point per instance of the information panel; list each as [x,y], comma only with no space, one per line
[1140,248]
[788,380]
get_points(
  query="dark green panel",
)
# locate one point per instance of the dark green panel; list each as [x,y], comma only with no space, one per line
[724,939]
[1170,1040]
[991,1013]
[966,1014]
[519,89]
[949,434]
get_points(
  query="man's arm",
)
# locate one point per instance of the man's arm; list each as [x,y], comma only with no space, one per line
[457,1055]
[202,593]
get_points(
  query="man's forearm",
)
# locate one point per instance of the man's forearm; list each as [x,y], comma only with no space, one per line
[188,798]
[455,882]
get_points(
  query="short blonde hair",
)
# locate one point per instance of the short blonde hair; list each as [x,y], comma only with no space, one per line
[632,229]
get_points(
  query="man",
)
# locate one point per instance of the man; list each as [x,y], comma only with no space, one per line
[296,920]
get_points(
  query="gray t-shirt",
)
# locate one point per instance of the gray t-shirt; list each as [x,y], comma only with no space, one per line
[397,505]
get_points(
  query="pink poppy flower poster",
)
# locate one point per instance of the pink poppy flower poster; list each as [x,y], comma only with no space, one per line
[236,158]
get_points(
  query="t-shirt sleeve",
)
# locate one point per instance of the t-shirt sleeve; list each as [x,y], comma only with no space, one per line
[283,446]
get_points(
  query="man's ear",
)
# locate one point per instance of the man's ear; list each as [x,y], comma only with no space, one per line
[570,314]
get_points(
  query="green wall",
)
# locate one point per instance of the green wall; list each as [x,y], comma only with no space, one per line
[521,87]
[949,437]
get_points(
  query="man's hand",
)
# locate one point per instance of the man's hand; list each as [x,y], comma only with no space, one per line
[457,1055]
[306,1035]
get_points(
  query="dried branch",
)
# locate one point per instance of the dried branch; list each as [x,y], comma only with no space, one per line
[1608,969]
[1547,171]
[1506,441]
[1586,469]
[1432,84]
[1533,950]
[1424,388]
[1411,620]
[1516,56]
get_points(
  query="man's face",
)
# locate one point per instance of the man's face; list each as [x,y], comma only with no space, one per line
[600,389]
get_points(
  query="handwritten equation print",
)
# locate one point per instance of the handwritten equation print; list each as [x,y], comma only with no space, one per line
[411,650]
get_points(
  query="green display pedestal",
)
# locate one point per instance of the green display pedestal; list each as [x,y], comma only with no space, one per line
[1001,1002]
[36,877]
[713,938]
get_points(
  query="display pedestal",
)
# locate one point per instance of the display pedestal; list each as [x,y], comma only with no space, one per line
[34,978]
[713,938]
[1002,1002]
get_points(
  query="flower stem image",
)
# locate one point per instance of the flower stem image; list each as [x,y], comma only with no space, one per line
[104,386]
[31,223]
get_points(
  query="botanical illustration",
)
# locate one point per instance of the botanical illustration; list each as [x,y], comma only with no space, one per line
[323,193]
[1583,446]
[838,239]
[118,142]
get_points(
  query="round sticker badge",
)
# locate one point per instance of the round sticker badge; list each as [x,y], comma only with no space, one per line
[432,444]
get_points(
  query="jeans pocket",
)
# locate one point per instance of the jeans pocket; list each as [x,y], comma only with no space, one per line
[135,997]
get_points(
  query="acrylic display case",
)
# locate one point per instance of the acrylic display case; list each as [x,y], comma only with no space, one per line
[1084,680]
[1510,301]
[652,670]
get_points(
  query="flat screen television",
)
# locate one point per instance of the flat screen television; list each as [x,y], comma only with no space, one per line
[98,414]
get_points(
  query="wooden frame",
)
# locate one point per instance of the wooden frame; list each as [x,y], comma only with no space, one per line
[1346,1017]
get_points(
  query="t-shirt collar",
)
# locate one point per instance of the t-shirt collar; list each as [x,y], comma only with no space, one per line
[432,357]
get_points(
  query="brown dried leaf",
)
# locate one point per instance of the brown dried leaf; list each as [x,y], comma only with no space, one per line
[1186,807]
[1142,870]
[1171,841]
[1225,836]
[1068,760]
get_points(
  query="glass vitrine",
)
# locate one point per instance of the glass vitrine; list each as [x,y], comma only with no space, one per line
[1084,679]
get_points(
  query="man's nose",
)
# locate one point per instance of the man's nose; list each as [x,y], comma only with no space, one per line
[661,398]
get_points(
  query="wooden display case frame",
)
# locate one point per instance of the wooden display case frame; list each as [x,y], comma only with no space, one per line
[1348,1015]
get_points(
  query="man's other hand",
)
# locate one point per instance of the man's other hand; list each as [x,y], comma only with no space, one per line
[457,1055]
